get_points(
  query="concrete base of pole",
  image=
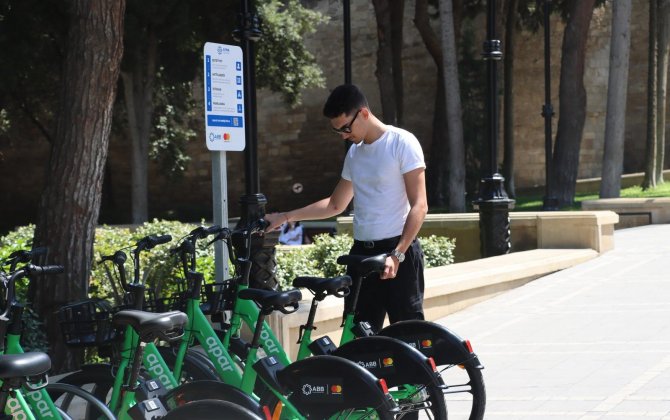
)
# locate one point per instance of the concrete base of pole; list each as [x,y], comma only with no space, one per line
[494,225]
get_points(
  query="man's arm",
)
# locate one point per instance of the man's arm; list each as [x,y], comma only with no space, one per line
[415,187]
[322,209]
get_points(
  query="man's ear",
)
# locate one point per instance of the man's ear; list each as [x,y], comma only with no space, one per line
[365,112]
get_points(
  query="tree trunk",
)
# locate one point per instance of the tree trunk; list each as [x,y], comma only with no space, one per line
[615,120]
[508,89]
[662,79]
[397,20]
[138,88]
[384,70]
[650,159]
[454,110]
[70,203]
[572,98]
[437,171]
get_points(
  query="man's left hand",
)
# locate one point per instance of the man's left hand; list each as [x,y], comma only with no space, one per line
[390,268]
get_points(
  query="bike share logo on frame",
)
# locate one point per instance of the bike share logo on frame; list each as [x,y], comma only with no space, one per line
[38,401]
[157,371]
[309,389]
[214,349]
[384,362]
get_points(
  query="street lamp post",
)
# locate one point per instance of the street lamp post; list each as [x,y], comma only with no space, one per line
[493,203]
[253,201]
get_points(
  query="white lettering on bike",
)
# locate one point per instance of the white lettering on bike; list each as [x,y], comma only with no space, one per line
[215,351]
[42,406]
[268,344]
[15,409]
[157,371]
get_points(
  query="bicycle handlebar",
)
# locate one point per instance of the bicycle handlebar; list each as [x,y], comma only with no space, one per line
[10,280]
[149,242]
[23,256]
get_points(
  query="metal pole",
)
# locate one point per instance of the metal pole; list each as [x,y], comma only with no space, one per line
[253,202]
[549,202]
[493,203]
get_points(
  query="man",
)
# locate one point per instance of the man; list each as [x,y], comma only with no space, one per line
[384,172]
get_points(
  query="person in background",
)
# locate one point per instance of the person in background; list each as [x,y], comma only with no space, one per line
[291,233]
[384,173]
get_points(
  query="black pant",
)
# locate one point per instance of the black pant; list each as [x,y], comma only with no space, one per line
[401,297]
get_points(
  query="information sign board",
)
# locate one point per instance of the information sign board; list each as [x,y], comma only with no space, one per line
[224,97]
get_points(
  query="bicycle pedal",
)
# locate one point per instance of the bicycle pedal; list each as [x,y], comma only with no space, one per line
[322,346]
[150,389]
[147,410]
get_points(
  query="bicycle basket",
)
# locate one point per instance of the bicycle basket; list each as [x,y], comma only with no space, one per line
[87,323]
[176,302]
[217,297]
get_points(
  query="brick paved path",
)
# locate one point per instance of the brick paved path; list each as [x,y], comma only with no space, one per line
[589,342]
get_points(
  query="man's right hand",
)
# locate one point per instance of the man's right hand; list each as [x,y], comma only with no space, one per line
[275,220]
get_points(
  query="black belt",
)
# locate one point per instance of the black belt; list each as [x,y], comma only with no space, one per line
[381,244]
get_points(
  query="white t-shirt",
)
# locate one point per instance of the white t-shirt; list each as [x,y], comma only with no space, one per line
[376,171]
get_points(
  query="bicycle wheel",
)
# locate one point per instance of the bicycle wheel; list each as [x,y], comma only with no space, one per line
[196,367]
[96,379]
[465,392]
[78,403]
[210,390]
[458,365]
[211,410]
[425,401]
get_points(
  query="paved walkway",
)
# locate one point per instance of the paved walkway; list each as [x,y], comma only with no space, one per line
[589,342]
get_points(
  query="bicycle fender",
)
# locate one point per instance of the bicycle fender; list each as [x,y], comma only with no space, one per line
[434,340]
[210,390]
[321,386]
[389,358]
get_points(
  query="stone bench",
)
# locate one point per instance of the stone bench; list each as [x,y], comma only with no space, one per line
[633,211]
[530,230]
[448,289]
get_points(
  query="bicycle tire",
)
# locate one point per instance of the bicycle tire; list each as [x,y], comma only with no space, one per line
[457,386]
[92,406]
[196,365]
[210,390]
[211,410]
[98,378]
[429,400]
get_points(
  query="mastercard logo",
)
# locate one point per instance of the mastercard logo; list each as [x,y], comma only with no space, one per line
[226,136]
[426,343]
[387,361]
[336,389]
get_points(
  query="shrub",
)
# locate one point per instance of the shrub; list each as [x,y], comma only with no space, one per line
[162,271]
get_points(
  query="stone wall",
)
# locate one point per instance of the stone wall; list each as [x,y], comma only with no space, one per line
[296,146]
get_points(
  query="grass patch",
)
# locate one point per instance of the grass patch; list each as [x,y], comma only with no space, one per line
[534,202]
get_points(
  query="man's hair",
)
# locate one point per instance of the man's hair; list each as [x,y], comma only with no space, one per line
[344,99]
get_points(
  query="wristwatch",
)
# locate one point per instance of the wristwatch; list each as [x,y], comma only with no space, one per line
[399,255]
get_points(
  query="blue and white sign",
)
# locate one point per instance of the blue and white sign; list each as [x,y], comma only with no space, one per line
[224,97]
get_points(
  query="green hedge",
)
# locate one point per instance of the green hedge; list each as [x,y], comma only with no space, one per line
[162,271]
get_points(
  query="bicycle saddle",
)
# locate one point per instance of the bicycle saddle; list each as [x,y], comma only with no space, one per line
[270,300]
[364,264]
[22,365]
[338,286]
[168,326]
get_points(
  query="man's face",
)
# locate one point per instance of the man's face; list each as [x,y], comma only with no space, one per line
[348,127]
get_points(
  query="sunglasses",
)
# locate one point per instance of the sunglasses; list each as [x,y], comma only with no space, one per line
[346,129]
